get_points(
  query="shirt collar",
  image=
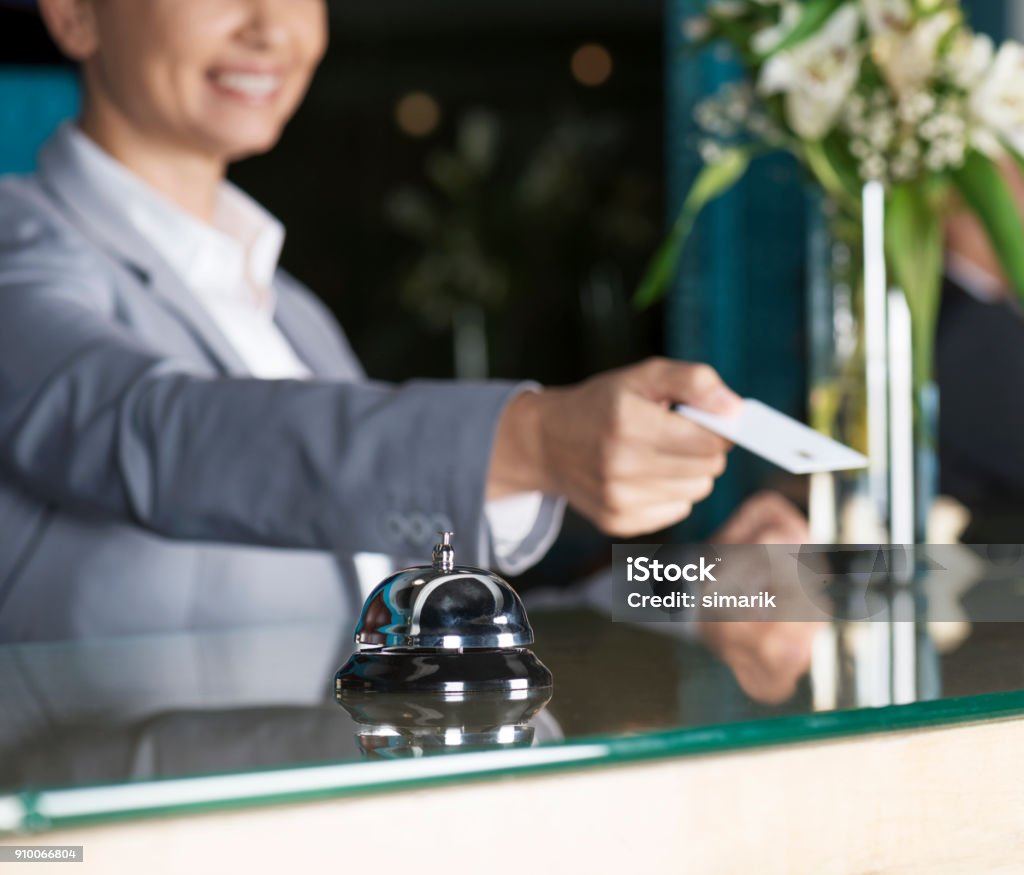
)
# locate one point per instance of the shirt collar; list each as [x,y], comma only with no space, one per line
[234,258]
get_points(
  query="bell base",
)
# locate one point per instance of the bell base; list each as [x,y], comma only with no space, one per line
[416,714]
[438,671]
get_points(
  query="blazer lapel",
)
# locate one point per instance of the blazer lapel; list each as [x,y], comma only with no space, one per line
[312,336]
[90,210]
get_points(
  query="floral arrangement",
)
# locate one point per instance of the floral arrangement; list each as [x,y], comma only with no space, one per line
[899,92]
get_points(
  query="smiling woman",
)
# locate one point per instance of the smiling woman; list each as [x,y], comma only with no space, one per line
[186,437]
[182,87]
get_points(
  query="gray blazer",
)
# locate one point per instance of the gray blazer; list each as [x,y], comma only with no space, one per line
[147,484]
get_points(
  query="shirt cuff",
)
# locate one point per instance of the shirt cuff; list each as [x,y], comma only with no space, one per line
[522,529]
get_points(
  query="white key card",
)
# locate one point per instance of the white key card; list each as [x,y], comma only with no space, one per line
[781,440]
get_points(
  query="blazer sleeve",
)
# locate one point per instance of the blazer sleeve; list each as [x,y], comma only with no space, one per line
[92,418]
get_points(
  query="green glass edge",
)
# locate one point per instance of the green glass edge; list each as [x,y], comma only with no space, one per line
[620,750]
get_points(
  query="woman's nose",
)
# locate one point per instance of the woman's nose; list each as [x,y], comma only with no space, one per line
[265,22]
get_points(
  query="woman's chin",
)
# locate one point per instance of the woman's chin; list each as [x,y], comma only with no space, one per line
[236,145]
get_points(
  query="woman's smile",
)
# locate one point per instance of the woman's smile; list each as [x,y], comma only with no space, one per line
[211,81]
[251,85]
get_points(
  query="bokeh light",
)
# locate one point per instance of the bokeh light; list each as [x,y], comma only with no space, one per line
[417,114]
[591,65]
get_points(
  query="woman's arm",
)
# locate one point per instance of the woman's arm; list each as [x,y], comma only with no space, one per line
[92,418]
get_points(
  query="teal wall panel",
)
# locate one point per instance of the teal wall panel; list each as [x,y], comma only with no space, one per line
[737,302]
[989,16]
[33,101]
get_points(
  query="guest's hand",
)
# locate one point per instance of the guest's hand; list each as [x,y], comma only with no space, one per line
[613,448]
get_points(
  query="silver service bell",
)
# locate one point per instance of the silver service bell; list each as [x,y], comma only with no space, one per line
[442,628]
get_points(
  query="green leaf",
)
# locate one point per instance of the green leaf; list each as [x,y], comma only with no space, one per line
[982,185]
[712,181]
[833,170]
[1017,157]
[913,242]
[814,15]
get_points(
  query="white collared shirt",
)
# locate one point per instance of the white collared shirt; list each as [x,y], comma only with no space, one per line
[229,266]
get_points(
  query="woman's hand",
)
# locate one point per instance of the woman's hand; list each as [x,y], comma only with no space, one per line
[613,448]
[764,518]
[768,658]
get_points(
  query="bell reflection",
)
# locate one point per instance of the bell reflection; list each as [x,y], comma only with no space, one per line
[397,725]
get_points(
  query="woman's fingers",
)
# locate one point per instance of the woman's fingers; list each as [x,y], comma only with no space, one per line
[669,381]
[639,520]
[612,447]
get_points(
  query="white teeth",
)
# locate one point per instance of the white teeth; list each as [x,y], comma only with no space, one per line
[249,84]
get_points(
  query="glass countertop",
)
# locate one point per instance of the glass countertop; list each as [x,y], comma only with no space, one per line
[116,728]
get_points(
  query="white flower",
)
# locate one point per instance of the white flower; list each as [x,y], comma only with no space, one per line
[943,154]
[909,58]
[727,8]
[910,149]
[856,105]
[817,75]
[888,15]
[873,167]
[860,149]
[880,130]
[710,151]
[697,28]
[997,104]
[764,128]
[916,107]
[766,39]
[854,116]
[712,115]
[903,167]
[969,58]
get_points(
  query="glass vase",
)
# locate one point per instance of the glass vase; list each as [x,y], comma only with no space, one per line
[863,390]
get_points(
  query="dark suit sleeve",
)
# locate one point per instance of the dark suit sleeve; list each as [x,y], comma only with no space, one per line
[91,418]
[980,371]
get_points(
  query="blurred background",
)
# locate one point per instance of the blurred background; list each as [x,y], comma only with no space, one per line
[475,190]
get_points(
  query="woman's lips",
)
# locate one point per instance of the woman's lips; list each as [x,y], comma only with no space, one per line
[248,85]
